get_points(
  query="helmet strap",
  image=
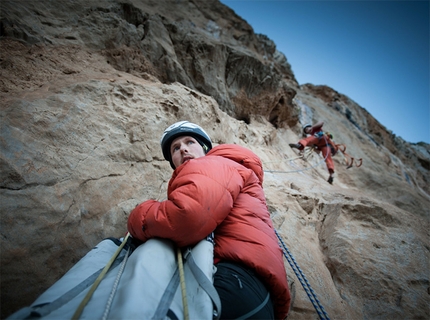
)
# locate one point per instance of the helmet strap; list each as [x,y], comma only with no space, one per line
[204,146]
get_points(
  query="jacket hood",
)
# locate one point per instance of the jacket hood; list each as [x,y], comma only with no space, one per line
[241,155]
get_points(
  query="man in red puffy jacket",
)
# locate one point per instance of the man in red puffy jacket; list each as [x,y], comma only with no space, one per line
[220,190]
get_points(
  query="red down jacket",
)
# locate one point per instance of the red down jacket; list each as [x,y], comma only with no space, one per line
[220,192]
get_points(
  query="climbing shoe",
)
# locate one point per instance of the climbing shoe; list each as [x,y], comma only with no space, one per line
[295,145]
[330,180]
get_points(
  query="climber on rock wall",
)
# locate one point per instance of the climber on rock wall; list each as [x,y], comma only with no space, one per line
[322,141]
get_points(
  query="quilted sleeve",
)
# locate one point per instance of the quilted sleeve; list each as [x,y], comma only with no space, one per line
[201,194]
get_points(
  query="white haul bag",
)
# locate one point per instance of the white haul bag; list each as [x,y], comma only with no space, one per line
[142,285]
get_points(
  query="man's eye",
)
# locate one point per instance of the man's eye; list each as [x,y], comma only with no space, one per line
[191,142]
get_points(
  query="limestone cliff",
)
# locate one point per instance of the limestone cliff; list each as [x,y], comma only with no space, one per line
[87,87]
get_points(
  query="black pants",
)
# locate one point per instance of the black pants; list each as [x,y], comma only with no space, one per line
[242,294]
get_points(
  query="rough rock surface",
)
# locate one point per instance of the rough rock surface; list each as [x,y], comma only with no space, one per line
[86,89]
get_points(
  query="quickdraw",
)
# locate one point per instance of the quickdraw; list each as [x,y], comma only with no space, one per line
[348,158]
[305,153]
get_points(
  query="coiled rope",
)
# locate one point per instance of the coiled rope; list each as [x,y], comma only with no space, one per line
[302,278]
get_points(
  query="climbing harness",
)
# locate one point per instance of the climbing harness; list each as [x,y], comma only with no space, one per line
[348,158]
[302,278]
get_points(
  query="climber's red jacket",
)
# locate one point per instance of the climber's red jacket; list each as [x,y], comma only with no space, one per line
[220,192]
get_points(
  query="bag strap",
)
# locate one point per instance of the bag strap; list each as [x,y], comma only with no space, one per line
[42,310]
[202,280]
[205,283]
[93,288]
[167,297]
[258,308]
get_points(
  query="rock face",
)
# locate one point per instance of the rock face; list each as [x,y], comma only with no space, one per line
[87,88]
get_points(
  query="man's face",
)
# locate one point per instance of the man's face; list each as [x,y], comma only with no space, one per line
[185,148]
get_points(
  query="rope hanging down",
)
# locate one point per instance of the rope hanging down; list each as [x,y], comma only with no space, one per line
[302,278]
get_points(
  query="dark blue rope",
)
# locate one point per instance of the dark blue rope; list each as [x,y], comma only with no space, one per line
[302,278]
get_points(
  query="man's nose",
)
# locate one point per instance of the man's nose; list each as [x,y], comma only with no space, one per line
[184,147]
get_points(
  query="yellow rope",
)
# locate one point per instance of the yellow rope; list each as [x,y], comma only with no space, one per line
[182,280]
[96,283]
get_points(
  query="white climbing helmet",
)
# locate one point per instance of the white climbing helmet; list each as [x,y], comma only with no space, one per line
[183,128]
[306,126]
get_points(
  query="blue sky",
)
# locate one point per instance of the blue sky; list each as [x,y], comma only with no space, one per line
[374,52]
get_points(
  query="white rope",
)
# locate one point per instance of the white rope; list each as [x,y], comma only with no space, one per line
[96,283]
[115,285]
